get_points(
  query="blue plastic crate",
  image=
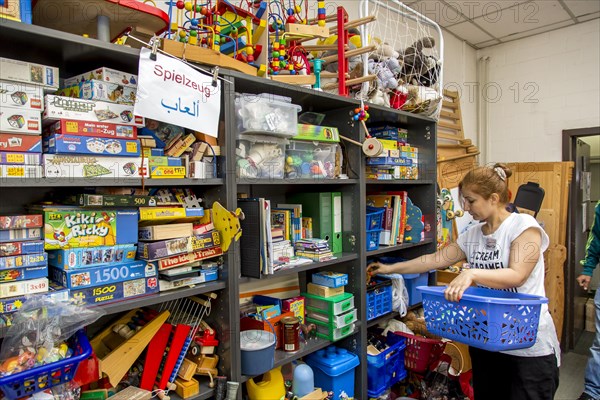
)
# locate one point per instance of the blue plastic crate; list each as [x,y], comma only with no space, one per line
[46,376]
[373,239]
[375,218]
[387,367]
[489,319]
[412,281]
[379,298]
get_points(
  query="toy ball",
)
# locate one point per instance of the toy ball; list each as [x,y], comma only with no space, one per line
[298,9]
[180,5]
[182,34]
[188,6]
[194,21]
[203,10]
[290,11]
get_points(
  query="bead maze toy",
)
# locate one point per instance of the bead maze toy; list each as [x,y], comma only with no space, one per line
[371,147]
[119,345]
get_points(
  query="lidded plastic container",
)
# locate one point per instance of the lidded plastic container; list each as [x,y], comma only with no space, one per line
[266,113]
[334,370]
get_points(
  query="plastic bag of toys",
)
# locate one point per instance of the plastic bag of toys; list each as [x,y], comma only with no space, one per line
[39,332]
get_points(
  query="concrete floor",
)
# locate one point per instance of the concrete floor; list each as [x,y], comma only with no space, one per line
[572,369]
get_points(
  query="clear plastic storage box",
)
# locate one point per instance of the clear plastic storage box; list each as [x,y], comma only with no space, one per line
[260,156]
[313,160]
[266,114]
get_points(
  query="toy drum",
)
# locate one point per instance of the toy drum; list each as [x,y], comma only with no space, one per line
[291,334]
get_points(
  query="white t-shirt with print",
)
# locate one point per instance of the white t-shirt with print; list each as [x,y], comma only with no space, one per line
[493,252]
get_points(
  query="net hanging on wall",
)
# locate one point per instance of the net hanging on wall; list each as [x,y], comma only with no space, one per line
[407,60]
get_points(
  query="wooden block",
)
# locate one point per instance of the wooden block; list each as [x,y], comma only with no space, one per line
[307,30]
[186,389]
[295,79]
[132,393]
[187,369]
[317,394]
[202,55]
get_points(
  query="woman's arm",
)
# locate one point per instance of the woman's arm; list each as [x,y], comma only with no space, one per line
[524,255]
[445,257]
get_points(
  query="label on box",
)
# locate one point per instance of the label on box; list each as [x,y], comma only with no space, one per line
[12,304]
[24,260]
[58,107]
[19,142]
[20,120]
[21,221]
[81,228]
[183,259]
[330,279]
[71,144]
[115,291]
[21,95]
[104,74]
[102,275]
[72,166]
[20,234]
[317,133]
[171,247]
[9,158]
[205,276]
[167,172]
[94,129]
[107,200]
[91,256]
[22,71]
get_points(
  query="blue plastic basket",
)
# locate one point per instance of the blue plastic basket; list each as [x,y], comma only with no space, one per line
[387,367]
[412,282]
[46,376]
[375,218]
[373,239]
[489,319]
[379,298]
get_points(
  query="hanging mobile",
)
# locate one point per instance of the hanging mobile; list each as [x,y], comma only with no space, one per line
[371,146]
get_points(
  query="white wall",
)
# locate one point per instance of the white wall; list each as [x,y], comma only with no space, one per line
[558,77]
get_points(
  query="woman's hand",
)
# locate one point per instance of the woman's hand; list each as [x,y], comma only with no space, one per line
[457,287]
[377,268]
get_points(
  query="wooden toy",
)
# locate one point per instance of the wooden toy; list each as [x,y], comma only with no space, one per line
[227,223]
[187,370]
[116,354]
[132,393]
[187,389]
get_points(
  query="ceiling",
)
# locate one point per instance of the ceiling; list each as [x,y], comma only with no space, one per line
[485,23]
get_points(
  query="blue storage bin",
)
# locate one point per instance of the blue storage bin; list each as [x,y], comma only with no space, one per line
[373,239]
[334,370]
[387,367]
[489,319]
[379,298]
[412,281]
[375,218]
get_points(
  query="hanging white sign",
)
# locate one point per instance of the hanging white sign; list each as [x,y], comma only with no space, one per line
[173,92]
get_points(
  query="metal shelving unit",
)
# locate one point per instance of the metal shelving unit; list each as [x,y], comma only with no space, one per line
[74,54]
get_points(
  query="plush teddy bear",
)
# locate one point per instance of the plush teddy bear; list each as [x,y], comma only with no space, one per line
[417,67]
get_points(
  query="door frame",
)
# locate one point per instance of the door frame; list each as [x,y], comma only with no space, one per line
[569,137]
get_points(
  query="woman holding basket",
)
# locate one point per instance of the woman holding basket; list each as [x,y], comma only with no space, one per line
[505,252]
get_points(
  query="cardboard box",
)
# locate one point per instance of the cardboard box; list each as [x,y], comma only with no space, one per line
[10,158]
[183,259]
[12,304]
[72,228]
[102,275]
[16,248]
[324,291]
[21,288]
[92,256]
[163,161]
[21,221]
[21,274]
[26,72]
[317,133]
[24,261]
[167,172]
[20,234]
[107,200]
[58,107]
[104,74]
[330,279]
[21,95]
[20,143]
[21,171]
[113,292]
[295,305]
[100,90]
[74,166]
[171,247]
[165,231]
[205,276]
[20,120]
[94,129]
[71,144]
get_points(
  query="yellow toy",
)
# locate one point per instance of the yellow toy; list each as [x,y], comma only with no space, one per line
[271,387]
[227,223]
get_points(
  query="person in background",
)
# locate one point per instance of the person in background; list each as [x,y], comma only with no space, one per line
[591,390]
[505,252]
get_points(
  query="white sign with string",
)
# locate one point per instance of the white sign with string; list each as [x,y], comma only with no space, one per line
[173,92]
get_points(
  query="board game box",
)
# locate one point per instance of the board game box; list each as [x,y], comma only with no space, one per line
[94,129]
[72,144]
[21,143]
[91,256]
[74,166]
[21,95]
[59,107]
[102,275]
